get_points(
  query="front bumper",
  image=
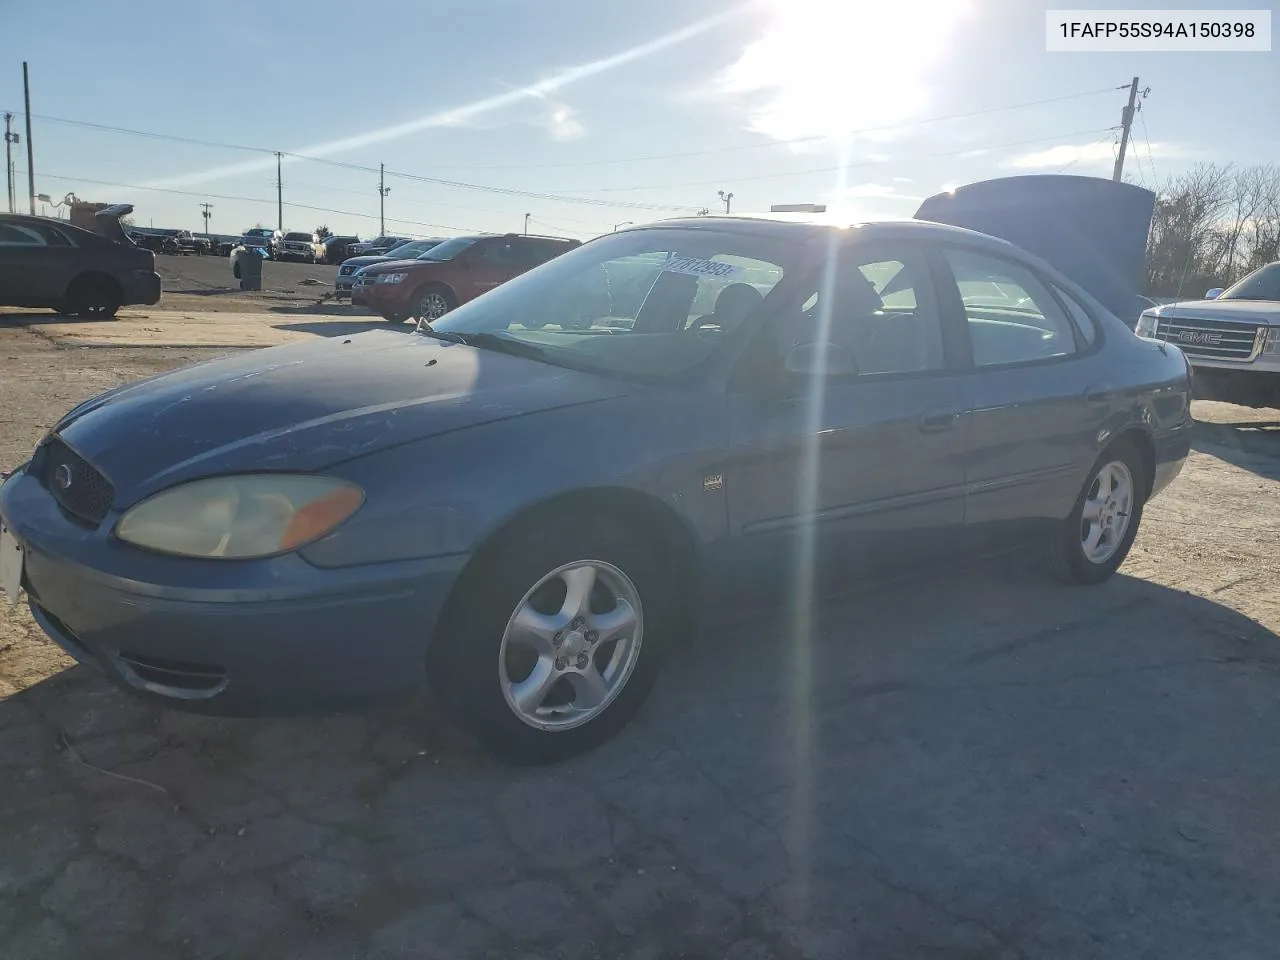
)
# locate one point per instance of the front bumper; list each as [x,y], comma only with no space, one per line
[252,638]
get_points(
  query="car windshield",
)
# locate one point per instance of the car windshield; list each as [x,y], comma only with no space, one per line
[1263,284]
[448,249]
[298,236]
[648,304]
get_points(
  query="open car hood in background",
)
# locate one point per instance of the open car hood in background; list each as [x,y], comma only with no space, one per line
[1093,230]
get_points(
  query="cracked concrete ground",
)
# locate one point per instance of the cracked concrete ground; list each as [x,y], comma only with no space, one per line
[970,764]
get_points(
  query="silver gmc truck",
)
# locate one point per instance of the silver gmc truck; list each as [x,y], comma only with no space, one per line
[1231,337]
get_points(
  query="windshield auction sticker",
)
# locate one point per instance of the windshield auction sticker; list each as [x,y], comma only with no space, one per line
[695,267]
[1173,31]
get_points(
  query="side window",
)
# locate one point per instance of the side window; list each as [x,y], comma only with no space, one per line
[884,317]
[499,253]
[1012,316]
[53,236]
[1083,321]
[19,235]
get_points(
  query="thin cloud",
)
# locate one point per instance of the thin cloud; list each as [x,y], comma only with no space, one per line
[1067,153]
[878,191]
[454,116]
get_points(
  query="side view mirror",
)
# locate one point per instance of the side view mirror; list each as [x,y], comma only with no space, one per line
[822,358]
[1213,294]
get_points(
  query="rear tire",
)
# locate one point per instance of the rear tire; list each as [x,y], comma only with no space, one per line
[1092,543]
[475,667]
[94,298]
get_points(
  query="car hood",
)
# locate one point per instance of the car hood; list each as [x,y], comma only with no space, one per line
[1249,311]
[357,262]
[308,405]
[391,266]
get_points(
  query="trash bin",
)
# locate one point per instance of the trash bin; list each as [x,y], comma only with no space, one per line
[247,264]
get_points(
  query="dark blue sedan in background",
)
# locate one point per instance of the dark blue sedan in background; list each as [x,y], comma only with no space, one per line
[531,503]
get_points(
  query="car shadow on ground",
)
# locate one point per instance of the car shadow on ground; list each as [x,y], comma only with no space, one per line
[330,308]
[1251,444]
[982,761]
[26,319]
[339,328]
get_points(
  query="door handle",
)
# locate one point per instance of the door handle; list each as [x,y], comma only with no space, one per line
[937,420]
[1099,393]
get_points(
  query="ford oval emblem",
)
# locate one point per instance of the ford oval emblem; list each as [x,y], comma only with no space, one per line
[63,476]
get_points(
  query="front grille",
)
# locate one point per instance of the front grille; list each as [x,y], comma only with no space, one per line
[75,483]
[1212,339]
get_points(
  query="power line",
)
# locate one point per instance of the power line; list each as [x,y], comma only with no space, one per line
[1151,160]
[849,166]
[584,163]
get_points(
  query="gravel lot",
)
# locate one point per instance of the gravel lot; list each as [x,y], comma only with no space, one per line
[979,764]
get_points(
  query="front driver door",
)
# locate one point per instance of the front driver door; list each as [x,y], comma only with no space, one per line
[862,468]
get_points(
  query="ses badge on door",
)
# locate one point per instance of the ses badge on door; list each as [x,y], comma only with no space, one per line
[10,564]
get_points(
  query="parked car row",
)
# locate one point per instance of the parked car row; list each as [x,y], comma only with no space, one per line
[449,273]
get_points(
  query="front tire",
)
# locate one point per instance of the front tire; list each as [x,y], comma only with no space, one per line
[1094,540]
[554,640]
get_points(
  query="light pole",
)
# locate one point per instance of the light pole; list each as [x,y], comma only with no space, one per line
[526,224]
[624,223]
[726,197]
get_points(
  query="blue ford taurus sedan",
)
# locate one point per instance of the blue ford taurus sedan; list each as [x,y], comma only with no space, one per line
[532,502]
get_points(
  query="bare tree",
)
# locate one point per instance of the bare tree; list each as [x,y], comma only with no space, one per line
[1211,226]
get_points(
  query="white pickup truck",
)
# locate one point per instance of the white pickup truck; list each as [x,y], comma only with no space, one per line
[1231,337]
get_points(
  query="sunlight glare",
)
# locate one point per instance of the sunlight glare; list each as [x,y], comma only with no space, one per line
[828,67]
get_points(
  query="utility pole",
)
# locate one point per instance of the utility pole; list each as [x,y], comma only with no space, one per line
[204,212]
[279,196]
[726,197]
[526,224]
[10,139]
[31,162]
[1126,121]
[383,191]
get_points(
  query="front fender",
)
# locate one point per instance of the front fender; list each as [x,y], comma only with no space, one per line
[448,494]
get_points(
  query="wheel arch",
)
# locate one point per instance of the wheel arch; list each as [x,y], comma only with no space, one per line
[93,276]
[426,285]
[635,509]
[1142,441]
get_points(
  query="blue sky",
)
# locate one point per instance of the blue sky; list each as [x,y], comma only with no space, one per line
[568,97]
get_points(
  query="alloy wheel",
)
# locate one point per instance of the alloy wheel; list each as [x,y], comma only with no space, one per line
[571,645]
[433,306]
[1106,514]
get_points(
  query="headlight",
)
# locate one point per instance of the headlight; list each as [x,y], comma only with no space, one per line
[1272,344]
[1146,325]
[391,277]
[235,518]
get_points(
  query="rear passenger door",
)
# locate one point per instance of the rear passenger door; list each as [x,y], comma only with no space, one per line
[31,270]
[1040,395]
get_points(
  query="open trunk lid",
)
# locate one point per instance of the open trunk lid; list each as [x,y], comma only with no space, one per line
[1093,230]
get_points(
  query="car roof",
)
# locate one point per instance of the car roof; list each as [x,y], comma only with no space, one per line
[807,230]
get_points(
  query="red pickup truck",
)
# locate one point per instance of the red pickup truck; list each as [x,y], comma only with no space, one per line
[455,271]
